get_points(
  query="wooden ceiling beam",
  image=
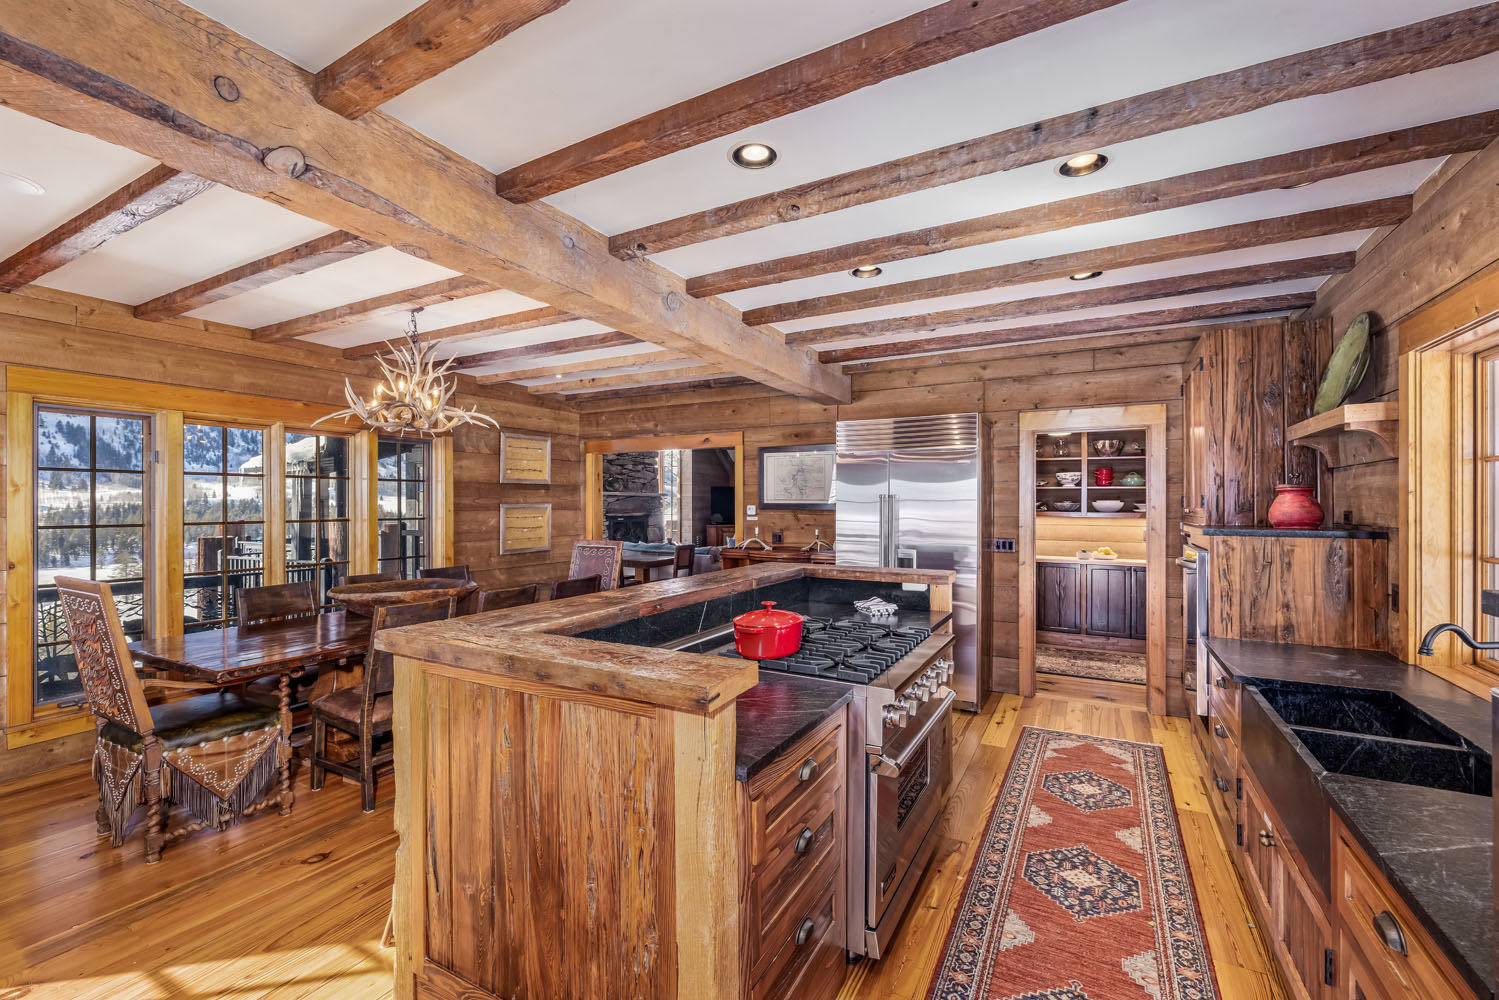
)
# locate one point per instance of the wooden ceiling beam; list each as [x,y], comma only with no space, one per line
[601,366]
[1091,298]
[1261,232]
[1102,342]
[659,376]
[551,349]
[373,176]
[728,381]
[389,304]
[1076,328]
[434,37]
[531,319]
[152,194]
[923,39]
[1440,41]
[300,259]
[1287,170]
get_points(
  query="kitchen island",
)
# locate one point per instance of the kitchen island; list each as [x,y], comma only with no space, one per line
[584,813]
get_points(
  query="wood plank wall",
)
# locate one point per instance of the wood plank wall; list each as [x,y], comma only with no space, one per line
[998,384]
[47,329]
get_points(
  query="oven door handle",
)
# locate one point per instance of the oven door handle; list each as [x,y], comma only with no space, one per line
[885,767]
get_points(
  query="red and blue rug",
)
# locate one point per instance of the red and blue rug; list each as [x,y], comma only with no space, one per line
[1080,890]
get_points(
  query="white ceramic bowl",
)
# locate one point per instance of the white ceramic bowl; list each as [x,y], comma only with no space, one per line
[1066,506]
[1069,478]
[1108,506]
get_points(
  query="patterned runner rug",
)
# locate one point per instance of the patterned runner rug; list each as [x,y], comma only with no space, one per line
[1080,890]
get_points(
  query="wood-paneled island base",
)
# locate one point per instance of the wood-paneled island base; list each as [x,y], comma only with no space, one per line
[571,825]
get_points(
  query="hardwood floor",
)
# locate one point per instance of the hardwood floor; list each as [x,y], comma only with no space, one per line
[293,908]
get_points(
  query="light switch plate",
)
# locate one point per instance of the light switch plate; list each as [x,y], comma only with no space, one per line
[749,510]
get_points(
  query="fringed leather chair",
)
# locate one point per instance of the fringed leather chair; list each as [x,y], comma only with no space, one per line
[513,597]
[366,711]
[603,558]
[215,755]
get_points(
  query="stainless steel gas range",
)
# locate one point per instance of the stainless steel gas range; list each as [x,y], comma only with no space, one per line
[900,672]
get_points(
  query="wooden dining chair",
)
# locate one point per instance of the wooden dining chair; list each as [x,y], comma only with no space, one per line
[682,561]
[446,573]
[275,603]
[603,558]
[365,710]
[215,755]
[511,597]
[575,587]
[370,578]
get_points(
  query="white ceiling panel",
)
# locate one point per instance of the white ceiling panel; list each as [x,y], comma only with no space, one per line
[309,34]
[351,280]
[608,354]
[212,232]
[1130,49]
[75,171]
[525,338]
[1371,184]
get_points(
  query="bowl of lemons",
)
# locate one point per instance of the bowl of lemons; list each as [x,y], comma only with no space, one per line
[1104,552]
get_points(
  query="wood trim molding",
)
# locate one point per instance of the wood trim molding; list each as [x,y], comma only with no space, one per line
[593,468]
[210,404]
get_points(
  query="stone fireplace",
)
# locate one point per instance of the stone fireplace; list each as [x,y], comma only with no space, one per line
[632,497]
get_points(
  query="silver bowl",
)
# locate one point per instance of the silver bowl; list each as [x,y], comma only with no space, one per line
[1067,506]
[1108,446]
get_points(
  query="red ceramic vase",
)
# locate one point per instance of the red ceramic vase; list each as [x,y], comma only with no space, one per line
[1295,507]
[1103,476]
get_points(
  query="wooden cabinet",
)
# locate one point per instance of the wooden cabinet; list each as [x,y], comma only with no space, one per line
[1059,597]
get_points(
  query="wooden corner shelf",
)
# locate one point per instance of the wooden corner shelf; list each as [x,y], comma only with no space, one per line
[1352,434]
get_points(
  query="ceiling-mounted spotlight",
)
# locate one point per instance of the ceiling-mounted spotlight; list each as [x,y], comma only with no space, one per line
[1085,275]
[1082,164]
[753,155]
[867,271]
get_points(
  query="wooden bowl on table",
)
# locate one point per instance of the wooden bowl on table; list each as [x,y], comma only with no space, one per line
[364,598]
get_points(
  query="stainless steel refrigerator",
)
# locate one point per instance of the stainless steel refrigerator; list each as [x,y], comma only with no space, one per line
[909,495]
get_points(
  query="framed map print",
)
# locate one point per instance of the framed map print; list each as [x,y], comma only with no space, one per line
[525,527]
[797,477]
[525,459]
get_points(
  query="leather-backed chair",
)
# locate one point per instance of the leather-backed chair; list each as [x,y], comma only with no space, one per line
[217,755]
[365,711]
[575,587]
[279,602]
[512,597]
[604,558]
[682,560]
[370,578]
[446,573]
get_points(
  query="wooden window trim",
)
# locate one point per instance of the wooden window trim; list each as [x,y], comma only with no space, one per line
[26,388]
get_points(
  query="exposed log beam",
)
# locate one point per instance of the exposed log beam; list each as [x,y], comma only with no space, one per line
[1103,342]
[658,377]
[726,382]
[390,304]
[1305,166]
[434,37]
[923,39]
[1076,328]
[157,191]
[553,349]
[373,176]
[308,256]
[1092,298]
[1261,232]
[601,366]
[531,319]
[1441,41]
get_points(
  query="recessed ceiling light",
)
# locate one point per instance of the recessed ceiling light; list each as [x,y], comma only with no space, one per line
[16,184]
[867,271]
[1083,164]
[1085,275]
[557,375]
[753,155]
[1293,187]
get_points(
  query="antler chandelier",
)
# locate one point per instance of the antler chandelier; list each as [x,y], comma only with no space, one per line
[413,399]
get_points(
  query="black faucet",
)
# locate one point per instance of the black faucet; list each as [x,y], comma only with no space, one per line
[1462,633]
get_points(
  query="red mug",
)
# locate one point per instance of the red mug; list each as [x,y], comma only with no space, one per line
[1103,476]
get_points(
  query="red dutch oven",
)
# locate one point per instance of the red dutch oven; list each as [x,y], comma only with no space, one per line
[768,634]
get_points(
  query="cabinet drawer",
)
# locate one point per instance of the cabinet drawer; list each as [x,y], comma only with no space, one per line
[1223,696]
[809,854]
[1395,948]
[812,769]
[1221,738]
[805,959]
[1223,782]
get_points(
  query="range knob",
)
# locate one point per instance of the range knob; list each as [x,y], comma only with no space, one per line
[909,703]
[894,714]
[921,689]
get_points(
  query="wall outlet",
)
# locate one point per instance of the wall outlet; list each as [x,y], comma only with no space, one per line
[749,510]
[1004,545]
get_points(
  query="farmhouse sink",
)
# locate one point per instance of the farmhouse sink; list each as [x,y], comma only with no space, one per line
[1429,765]
[1354,710]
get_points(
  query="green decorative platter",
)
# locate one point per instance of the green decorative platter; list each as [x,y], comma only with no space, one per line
[1346,368]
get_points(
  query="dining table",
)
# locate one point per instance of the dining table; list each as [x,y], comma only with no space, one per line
[283,649]
[644,562]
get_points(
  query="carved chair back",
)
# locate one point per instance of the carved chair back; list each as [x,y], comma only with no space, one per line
[379,667]
[262,605]
[512,597]
[575,587]
[682,560]
[603,558]
[99,645]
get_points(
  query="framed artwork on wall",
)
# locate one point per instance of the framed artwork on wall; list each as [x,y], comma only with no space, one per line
[525,459]
[525,527]
[798,477]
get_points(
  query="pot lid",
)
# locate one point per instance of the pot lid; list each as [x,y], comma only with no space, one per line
[768,618]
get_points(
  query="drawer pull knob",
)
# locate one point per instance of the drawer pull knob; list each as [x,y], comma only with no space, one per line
[1388,928]
[1222,785]
[1220,731]
[804,841]
[807,771]
[1266,839]
[1221,681]
[804,932]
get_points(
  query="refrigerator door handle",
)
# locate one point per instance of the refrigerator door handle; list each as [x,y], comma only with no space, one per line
[892,532]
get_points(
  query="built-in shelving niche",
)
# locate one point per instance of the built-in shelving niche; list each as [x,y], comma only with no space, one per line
[1081,458]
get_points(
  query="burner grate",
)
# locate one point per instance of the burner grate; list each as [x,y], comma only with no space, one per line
[852,650]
